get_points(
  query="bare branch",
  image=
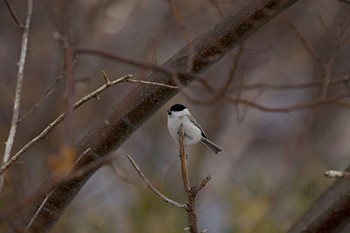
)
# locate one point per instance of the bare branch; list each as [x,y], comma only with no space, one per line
[13,14]
[17,101]
[183,159]
[328,30]
[49,187]
[191,192]
[118,172]
[46,94]
[203,183]
[69,92]
[152,188]
[151,83]
[230,78]
[341,38]
[307,45]
[337,174]
[105,77]
[325,66]
[62,179]
[276,86]
[301,106]
[185,34]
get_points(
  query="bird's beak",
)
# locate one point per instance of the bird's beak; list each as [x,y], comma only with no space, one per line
[168,112]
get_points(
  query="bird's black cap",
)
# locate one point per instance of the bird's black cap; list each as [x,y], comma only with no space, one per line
[177,108]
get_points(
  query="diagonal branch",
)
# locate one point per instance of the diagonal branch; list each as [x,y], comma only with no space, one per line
[13,14]
[46,94]
[152,188]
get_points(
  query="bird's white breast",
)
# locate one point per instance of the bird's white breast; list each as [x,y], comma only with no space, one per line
[192,133]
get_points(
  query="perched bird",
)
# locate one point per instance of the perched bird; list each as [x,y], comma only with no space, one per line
[193,133]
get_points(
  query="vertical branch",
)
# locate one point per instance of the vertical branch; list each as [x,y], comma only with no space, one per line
[68,98]
[69,92]
[68,53]
[191,192]
[181,23]
[20,74]
[184,171]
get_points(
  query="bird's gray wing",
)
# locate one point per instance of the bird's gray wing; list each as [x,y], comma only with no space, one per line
[191,118]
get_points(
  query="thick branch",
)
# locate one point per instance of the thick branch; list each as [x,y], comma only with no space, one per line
[143,101]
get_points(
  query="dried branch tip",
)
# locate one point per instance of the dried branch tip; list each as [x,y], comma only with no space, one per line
[337,174]
[105,77]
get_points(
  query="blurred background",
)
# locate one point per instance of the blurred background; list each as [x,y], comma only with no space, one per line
[273,162]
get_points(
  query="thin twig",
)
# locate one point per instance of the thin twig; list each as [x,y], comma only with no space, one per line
[222,91]
[69,93]
[105,77]
[47,93]
[327,29]
[337,174]
[321,63]
[203,183]
[122,175]
[230,78]
[181,23]
[13,14]
[307,45]
[68,54]
[60,179]
[20,75]
[276,86]
[151,83]
[52,184]
[165,69]
[130,80]
[344,26]
[341,37]
[295,107]
[152,188]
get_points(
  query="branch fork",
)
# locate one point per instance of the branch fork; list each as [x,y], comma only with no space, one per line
[191,192]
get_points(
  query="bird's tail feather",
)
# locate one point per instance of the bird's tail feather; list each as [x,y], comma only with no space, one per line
[211,145]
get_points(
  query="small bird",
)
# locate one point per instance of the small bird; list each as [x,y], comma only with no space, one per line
[178,114]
